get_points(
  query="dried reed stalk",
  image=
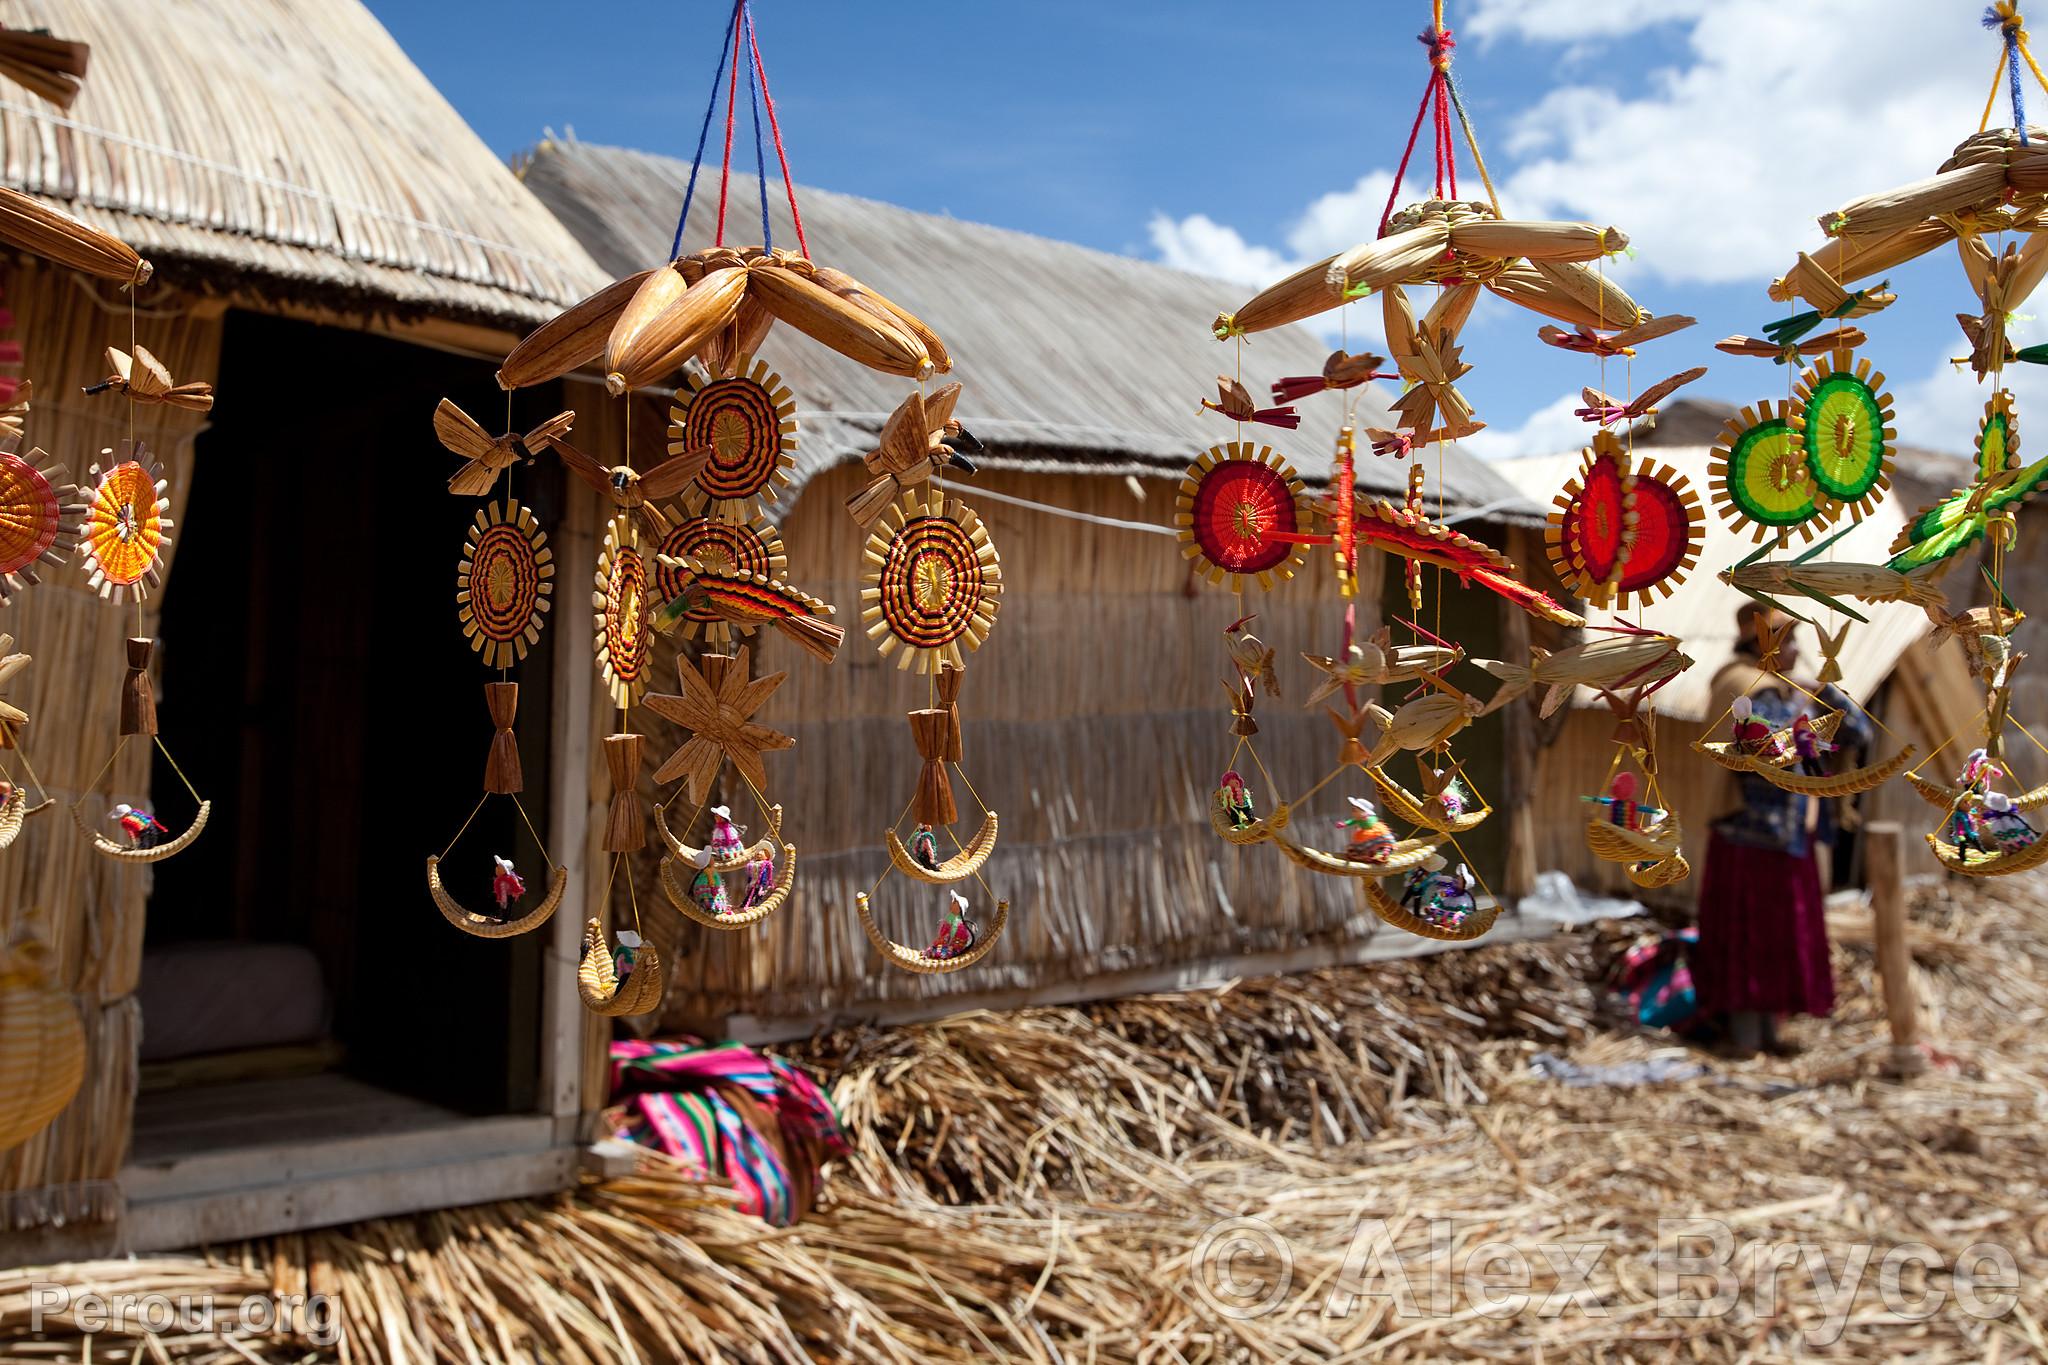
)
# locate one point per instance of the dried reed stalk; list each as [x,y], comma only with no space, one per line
[41,230]
[572,338]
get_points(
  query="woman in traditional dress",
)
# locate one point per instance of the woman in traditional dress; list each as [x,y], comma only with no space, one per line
[1763,946]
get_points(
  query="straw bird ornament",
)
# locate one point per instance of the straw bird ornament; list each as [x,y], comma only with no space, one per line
[1604,410]
[629,489]
[1770,582]
[921,439]
[145,380]
[645,327]
[749,599]
[1586,340]
[1428,722]
[1341,371]
[484,456]
[1791,353]
[1254,658]
[1378,661]
[1235,401]
[1610,662]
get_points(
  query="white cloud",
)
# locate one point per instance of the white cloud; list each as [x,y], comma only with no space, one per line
[1720,168]
[1548,430]
[1562,21]
[1202,246]
[1334,221]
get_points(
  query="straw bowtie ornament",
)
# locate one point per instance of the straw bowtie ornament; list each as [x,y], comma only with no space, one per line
[143,378]
[921,439]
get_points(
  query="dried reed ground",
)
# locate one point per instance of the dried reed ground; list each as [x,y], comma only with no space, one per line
[1033,1186]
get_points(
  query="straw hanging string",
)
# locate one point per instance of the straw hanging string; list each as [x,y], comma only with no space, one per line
[703,135]
[760,156]
[775,132]
[732,92]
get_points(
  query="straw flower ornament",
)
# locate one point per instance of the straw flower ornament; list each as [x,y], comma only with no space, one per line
[127,523]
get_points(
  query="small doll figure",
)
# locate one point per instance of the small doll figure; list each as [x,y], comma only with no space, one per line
[1978,773]
[1442,898]
[760,877]
[956,931]
[626,954]
[1965,829]
[506,886]
[924,848]
[1452,799]
[1234,799]
[725,835]
[1622,808]
[708,890]
[138,825]
[1752,736]
[1370,840]
[2003,826]
[1809,746]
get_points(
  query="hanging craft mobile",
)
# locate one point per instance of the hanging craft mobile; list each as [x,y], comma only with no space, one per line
[502,590]
[718,570]
[1244,515]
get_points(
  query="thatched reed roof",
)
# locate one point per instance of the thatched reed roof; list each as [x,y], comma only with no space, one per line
[1702,610]
[286,147]
[1072,358]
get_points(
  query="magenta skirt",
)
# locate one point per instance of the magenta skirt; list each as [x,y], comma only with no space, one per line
[1763,933]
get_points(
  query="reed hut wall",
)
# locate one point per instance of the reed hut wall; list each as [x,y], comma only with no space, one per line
[89,907]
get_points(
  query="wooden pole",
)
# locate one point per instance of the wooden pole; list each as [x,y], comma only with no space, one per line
[1884,863]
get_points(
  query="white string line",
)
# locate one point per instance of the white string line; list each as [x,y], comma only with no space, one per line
[268,182]
[971,494]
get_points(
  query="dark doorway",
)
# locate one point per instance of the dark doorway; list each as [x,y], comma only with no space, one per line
[322,694]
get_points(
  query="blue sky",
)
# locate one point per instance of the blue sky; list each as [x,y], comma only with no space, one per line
[1241,141]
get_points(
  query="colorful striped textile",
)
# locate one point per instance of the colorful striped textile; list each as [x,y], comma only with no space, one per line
[740,1118]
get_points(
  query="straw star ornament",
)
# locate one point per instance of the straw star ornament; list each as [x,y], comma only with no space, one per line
[718,716]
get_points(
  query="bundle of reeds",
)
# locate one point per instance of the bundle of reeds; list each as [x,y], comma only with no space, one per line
[1036,1186]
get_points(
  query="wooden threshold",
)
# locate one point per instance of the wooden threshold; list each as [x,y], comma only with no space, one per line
[217,1163]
